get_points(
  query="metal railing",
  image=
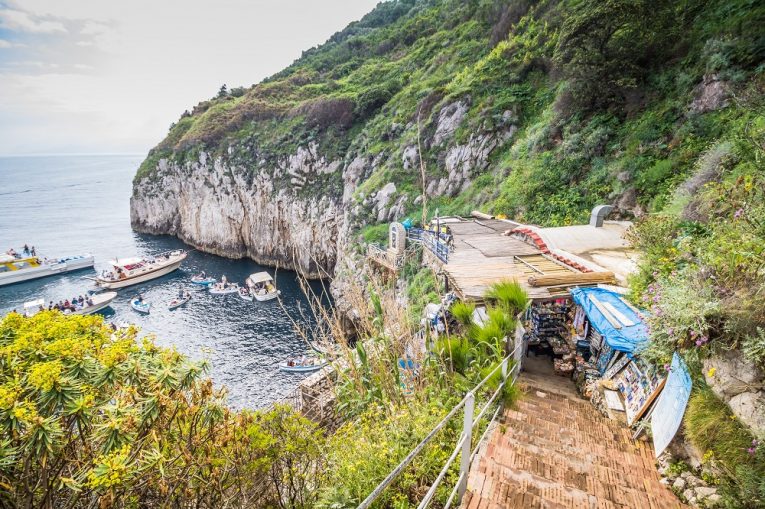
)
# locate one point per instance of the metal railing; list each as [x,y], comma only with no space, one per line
[383,256]
[436,243]
[463,446]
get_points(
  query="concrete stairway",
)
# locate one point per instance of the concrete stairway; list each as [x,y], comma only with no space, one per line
[555,450]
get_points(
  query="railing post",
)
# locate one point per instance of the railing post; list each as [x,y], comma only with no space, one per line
[467,432]
[504,369]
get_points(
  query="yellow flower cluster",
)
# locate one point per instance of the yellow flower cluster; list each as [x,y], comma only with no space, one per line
[8,395]
[110,469]
[117,352]
[24,412]
[44,375]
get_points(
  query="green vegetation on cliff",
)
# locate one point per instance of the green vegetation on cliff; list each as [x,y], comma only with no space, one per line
[559,104]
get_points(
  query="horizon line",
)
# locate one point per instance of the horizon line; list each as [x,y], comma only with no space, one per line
[62,154]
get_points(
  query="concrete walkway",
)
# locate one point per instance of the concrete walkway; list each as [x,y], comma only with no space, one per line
[556,451]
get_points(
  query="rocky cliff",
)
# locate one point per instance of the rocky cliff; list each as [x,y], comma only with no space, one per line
[214,205]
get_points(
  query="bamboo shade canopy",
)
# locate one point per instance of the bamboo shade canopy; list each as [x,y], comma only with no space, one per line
[572,278]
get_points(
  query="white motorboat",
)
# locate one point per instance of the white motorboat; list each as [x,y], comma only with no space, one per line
[99,301]
[224,288]
[131,271]
[262,286]
[94,303]
[140,305]
[245,294]
[17,269]
[179,301]
[305,365]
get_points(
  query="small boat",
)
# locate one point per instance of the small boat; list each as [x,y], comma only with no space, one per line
[131,271]
[224,289]
[203,281]
[15,269]
[94,303]
[98,302]
[244,293]
[305,365]
[262,286]
[140,305]
[179,301]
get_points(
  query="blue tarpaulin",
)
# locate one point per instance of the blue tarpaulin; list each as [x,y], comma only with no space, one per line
[632,332]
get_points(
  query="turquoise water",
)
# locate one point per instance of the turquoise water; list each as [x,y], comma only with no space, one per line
[65,205]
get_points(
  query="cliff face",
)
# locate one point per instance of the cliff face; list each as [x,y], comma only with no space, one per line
[220,208]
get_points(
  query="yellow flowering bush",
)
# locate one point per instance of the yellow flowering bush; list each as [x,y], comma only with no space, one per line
[91,417]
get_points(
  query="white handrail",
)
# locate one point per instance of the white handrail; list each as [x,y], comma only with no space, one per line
[463,444]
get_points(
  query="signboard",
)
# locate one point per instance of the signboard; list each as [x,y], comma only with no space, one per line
[615,368]
[670,407]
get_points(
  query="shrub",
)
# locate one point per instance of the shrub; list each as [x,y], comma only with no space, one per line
[327,112]
[91,417]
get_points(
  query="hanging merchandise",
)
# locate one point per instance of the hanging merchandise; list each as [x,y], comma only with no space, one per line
[604,358]
[547,326]
[596,342]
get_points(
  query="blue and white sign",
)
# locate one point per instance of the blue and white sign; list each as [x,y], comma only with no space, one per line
[670,407]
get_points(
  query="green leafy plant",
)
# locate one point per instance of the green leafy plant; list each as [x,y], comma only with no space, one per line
[463,312]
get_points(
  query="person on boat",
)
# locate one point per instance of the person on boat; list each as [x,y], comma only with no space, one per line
[26,250]
[202,275]
[181,294]
[140,298]
[32,251]
[223,281]
[13,253]
[89,302]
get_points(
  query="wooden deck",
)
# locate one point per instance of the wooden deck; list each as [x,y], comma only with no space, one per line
[483,256]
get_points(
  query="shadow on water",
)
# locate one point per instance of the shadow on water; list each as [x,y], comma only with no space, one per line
[244,341]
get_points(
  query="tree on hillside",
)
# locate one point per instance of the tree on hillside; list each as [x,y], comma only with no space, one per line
[607,47]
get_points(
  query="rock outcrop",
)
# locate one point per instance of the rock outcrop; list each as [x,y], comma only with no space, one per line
[236,212]
[297,211]
[741,384]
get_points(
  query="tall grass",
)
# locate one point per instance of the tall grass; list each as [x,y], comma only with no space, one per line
[456,352]
[463,312]
[509,295]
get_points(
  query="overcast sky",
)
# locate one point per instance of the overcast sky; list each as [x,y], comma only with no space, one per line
[105,76]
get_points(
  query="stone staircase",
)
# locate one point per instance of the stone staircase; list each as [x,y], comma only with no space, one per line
[556,451]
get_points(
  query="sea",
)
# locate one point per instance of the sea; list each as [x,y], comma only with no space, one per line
[72,204]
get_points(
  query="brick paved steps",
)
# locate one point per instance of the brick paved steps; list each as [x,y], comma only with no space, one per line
[555,450]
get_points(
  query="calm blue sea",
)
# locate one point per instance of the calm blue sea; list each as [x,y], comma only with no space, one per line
[65,205]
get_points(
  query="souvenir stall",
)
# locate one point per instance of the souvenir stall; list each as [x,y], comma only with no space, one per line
[608,331]
[547,332]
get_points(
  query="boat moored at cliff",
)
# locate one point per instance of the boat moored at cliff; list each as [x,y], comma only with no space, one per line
[17,269]
[130,271]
